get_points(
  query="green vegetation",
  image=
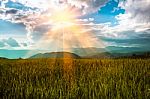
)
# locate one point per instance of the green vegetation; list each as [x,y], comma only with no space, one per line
[75,79]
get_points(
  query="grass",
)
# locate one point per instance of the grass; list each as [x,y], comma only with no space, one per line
[75,79]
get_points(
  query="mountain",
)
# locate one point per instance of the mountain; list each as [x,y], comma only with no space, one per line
[100,55]
[94,52]
[107,55]
[56,55]
[88,51]
[115,49]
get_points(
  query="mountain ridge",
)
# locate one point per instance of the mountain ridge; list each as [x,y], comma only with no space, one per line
[56,55]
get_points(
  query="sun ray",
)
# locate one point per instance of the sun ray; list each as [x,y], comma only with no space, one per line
[66,32]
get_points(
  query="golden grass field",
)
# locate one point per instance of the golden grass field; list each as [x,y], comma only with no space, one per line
[75,79]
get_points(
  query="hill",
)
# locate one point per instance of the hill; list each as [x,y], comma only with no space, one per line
[56,55]
[94,55]
[88,51]
[116,51]
[134,55]
[100,55]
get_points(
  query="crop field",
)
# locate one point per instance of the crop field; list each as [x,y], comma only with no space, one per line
[75,79]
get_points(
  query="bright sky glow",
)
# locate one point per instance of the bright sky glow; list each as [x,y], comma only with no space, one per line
[59,25]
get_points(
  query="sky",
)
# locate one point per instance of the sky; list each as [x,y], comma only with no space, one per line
[32,26]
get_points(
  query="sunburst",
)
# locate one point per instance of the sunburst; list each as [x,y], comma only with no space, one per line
[66,32]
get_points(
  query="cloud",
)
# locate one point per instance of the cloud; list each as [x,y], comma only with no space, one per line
[135,20]
[11,42]
[88,6]
[34,13]
[24,44]
[134,41]
[132,28]
[137,9]
[137,16]
[2,44]
[11,11]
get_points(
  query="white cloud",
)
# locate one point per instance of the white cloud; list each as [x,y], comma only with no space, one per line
[136,19]
[2,44]
[138,9]
[13,43]
[9,42]
[137,15]
[88,6]
[38,11]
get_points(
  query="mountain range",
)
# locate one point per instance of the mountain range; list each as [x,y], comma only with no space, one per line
[104,55]
[110,51]
[56,55]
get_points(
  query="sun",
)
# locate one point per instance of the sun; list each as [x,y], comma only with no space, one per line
[67,32]
[63,16]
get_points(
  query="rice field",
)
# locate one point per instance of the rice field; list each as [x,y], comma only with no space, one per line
[75,79]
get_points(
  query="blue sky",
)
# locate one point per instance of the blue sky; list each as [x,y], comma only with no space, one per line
[25,24]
